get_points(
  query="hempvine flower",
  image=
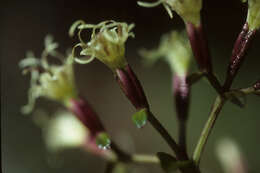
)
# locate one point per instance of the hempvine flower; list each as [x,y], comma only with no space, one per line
[107,42]
[54,82]
[253,15]
[175,49]
[189,10]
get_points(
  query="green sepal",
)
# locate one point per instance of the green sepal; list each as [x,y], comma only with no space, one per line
[140,118]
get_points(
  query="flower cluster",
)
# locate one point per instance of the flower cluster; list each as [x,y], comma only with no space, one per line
[52,81]
[107,42]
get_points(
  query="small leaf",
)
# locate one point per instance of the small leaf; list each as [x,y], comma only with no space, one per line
[140,118]
[168,163]
[103,141]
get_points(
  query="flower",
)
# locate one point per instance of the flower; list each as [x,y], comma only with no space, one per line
[189,10]
[253,15]
[107,42]
[54,82]
[175,49]
[64,130]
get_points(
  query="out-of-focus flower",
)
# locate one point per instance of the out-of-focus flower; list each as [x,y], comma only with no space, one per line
[107,42]
[54,82]
[230,157]
[175,49]
[253,15]
[64,130]
[189,10]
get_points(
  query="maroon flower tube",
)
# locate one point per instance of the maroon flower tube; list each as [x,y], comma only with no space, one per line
[131,87]
[199,46]
[239,52]
[86,115]
[181,91]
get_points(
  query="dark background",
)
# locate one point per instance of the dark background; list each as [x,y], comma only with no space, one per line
[24,25]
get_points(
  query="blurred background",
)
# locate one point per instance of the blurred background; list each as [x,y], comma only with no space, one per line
[24,25]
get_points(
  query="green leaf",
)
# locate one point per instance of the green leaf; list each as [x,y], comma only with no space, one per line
[168,163]
[103,141]
[140,118]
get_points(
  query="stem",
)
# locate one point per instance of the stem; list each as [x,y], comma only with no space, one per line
[141,158]
[166,136]
[214,82]
[182,136]
[215,110]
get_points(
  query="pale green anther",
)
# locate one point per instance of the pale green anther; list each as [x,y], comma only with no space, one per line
[54,82]
[253,14]
[175,49]
[107,42]
[189,10]
[140,118]
[103,141]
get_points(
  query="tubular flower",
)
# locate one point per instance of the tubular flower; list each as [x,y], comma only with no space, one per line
[107,42]
[189,10]
[54,82]
[175,49]
[253,15]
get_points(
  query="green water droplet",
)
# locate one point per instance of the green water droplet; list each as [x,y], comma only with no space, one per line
[140,118]
[103,141]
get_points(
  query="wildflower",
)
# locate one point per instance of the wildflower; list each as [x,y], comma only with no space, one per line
[55,82]
[175,49]
[189,10]
[253,15]
[107,42]
[231,157]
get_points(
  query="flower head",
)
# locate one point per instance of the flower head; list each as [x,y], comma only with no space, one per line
[55,82]
[253,15]
[107,42]
[64,130]
[189,10]
[175,49]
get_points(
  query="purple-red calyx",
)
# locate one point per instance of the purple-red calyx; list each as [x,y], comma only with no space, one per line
[199,46]
[239,52]
[131,87]
[182,96]
[257,85]
[84,112]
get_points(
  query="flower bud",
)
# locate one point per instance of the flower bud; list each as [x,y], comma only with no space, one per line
[107,42]
[239,53]
[253,15]
[55,82]
[189,10]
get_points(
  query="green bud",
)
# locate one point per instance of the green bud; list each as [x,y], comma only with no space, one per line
[140,118]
